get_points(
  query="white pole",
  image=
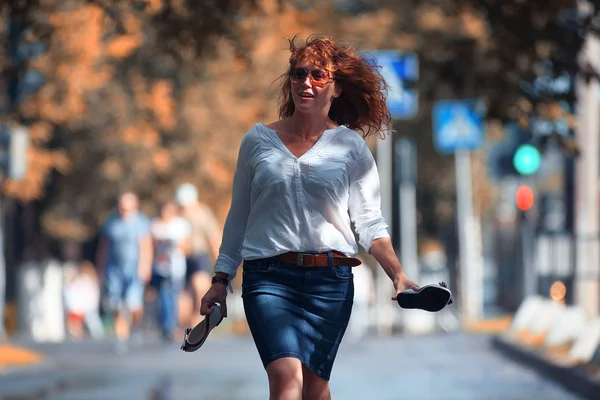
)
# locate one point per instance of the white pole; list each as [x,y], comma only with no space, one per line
[587,291]
[470,281]
[385,310]
[408,245]
[406,157]
[405,153]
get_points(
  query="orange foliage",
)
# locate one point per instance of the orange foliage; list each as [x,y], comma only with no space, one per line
[123,46]
[144,100]
[40,163]
[161,160]
[133,127]
[154,6]
[111,169]
[163,104]
[40,132]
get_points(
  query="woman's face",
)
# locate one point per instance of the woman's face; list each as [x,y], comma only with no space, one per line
[313,88]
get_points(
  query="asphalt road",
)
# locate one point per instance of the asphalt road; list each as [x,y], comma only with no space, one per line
[451,366]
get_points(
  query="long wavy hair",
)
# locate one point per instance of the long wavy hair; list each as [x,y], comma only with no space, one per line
[362,104]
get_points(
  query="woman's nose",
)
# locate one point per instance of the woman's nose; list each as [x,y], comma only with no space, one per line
[307,82]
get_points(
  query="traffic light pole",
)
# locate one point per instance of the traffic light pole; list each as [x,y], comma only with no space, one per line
[530,278]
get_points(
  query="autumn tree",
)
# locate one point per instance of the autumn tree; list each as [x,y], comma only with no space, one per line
[128,102]
[488,50]
[144,95]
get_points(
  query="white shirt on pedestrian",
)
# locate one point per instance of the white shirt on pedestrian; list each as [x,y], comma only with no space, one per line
[169,260]
[283,203]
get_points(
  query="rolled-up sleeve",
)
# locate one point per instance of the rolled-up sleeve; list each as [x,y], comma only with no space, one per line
[229,258]
[365,199]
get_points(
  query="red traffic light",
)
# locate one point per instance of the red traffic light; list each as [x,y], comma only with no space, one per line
[524,198]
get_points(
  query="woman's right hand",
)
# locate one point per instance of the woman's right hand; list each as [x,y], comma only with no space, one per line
[216,294]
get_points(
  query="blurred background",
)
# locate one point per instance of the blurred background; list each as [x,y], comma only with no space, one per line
[490,180]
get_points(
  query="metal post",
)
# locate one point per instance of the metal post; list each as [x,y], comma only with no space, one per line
[406,178]
[385,310]
[406,157]
[528,267]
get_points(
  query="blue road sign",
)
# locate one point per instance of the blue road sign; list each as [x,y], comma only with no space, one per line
[398,68]
[457,125]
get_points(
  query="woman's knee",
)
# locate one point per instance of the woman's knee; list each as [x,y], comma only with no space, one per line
[313,386]
[285,379]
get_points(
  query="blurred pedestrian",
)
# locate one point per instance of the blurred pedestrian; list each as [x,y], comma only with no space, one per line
[124,258]
[299,184]
[205,239]
[82,302]
[171,239]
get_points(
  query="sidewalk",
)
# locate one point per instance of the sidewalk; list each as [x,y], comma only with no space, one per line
[585,382]
[457,366]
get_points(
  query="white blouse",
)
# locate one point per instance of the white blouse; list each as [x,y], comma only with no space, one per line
[283,203]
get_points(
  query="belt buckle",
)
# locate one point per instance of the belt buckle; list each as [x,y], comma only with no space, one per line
[300,259]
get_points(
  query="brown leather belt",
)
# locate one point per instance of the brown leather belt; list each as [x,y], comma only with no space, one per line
[318,260]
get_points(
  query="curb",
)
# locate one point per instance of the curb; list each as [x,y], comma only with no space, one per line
[490,326]
[572,378]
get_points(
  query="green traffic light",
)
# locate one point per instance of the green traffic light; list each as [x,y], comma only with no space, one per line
[527,159]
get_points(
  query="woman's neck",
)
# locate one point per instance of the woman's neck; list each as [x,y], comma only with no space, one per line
[309,127]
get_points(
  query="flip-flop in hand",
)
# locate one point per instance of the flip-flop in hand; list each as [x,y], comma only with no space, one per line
[430,298]
[195,337]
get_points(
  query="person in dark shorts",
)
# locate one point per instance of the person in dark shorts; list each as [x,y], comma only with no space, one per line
[205,239]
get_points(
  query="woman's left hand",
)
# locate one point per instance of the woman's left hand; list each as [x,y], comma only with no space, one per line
[402,283]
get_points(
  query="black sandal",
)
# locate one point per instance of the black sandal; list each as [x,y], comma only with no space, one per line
[430,298]
[195,337]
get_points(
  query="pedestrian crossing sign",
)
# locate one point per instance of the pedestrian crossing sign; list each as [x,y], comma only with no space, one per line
[457,125]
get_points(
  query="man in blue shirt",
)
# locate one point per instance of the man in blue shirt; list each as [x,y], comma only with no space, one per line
[124,261]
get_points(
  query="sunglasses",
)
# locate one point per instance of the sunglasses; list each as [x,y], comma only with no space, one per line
[318,77]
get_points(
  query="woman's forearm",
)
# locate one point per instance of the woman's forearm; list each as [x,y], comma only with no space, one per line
[384,253]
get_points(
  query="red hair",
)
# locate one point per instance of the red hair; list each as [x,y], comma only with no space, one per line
[362,103]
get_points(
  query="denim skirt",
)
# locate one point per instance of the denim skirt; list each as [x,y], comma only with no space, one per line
[295,311]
